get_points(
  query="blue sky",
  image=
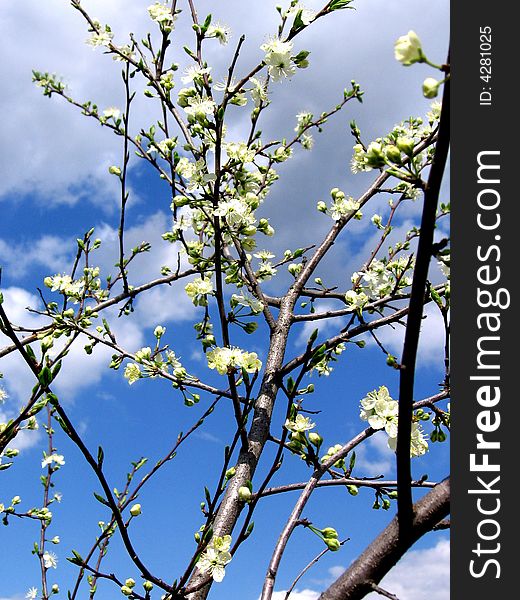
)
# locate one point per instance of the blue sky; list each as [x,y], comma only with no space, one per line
[54,186]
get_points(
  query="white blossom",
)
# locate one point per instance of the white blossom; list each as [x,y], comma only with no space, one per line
[407,49]
[53,458]
[216,556]
[162,14]
[278,59]
[50,560]
[299,424]
[225,359]
[132,373]
[112,112]
[200,106]
[258,91]
[100,38]
[220,32]
[254,304]
[198,290]
[307,15]
[195,74]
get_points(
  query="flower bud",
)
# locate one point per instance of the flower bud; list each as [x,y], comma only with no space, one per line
[315,439]
[294,268]
[251,230]
[125,590]
[148,586]
[55,589]
[353,490]
[408,49]
[332,544]
[130,582]
[321,206]
[374,155]
[430,87]
[46,343]
[113,170]
[329,533]
[244,494]
[159,331]
[230,473]
[135,511]
[393,154]
[406,145]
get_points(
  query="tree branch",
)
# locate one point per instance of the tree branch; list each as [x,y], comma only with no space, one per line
[384,552]
[414,320]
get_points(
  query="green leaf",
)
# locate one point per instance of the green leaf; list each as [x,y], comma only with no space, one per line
[62,423]
[318,354]
[207,23]
[56,370]
[45,377]
[313,336]
[339,4]
[76,559]
[352,461]
[298,23]
[100,456]
[30,352]
[101,499]
[249,529]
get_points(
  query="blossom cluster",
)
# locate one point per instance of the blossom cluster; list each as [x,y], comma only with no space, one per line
[381,412]
[215,558]
[226,360]
[380,279]
[398,149]
[278,58]
[74,289]
[162,14]
[341,207]
[150,363]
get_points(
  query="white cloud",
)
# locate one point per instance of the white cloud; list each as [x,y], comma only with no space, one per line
[336,571]
[25,439]
[81,371]
[420,575]
[18,379]
[322,325]
[297,595]
[160,305]
[374,457]
[431,341]
[49,251]
[207,437]
[46,155]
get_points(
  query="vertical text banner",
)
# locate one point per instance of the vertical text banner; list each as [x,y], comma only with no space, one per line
[485,161]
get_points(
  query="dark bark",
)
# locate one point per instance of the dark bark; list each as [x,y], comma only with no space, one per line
[386,550]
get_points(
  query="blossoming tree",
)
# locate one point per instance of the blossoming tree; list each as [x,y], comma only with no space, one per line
[219,193]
